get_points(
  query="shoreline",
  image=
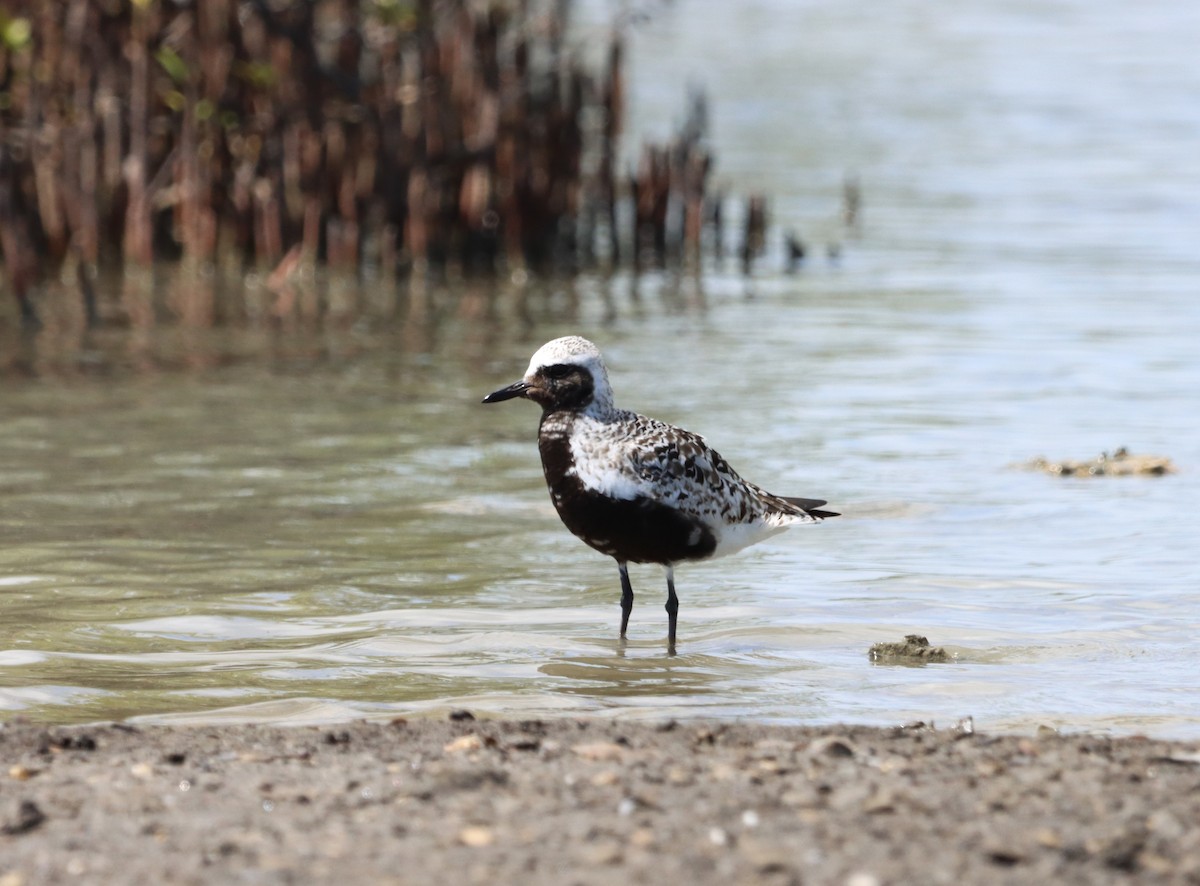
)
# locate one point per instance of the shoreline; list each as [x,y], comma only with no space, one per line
[591,801]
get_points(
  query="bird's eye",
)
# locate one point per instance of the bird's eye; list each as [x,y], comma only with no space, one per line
[558,370]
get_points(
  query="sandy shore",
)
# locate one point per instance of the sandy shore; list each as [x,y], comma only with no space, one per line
[590,801]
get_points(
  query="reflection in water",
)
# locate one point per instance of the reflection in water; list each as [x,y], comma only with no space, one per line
[186,317]
[181,318]
[624,677]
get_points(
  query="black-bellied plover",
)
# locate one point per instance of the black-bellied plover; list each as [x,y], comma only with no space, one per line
[635,488]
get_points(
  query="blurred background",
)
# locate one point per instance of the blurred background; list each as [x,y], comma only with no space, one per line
[259,262]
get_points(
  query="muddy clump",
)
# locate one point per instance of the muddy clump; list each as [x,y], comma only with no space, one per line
[914,649]
[1121,463]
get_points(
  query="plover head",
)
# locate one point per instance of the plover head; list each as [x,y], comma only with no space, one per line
[567,373]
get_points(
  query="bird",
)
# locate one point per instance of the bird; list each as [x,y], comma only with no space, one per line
[635,488]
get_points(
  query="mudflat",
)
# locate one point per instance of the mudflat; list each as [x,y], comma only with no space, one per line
[593,802]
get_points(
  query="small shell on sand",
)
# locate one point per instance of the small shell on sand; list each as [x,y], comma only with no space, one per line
[1121,463]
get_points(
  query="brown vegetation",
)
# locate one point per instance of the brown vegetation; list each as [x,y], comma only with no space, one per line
[401,135]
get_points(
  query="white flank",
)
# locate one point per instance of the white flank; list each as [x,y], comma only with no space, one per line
[732,537]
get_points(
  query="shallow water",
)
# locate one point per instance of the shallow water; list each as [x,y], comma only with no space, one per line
[310,526]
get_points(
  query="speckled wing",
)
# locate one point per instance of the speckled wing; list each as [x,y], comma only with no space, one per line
[677,468]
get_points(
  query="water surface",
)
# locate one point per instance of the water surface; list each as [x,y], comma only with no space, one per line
[304,526]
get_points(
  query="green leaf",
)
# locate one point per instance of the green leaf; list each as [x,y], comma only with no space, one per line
[172,64]
[16,33]
[258,74]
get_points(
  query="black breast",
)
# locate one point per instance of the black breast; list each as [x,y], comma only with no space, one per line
[635,530]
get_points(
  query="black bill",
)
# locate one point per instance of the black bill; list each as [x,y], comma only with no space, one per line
[516,389]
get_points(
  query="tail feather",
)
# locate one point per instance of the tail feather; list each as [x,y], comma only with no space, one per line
[809,506]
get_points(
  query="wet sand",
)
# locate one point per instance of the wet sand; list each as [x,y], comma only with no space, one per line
[591,801]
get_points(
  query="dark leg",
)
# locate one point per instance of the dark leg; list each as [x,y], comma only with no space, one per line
[626,597]
[672,609]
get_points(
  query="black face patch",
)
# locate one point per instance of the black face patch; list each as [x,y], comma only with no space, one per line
[562,386]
